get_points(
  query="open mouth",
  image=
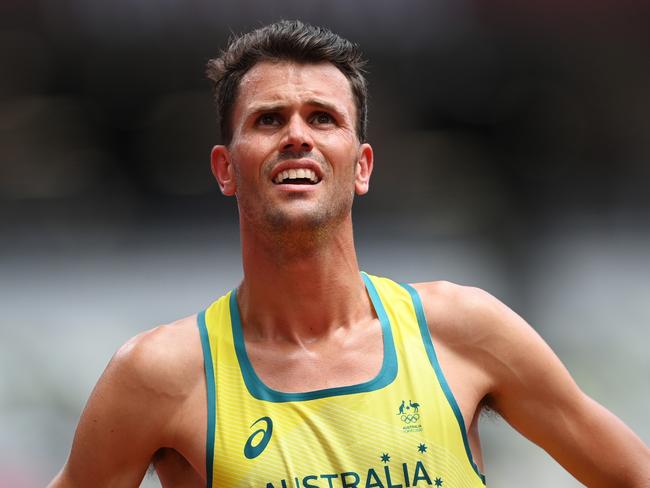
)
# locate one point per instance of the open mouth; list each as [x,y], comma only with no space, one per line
[302,176]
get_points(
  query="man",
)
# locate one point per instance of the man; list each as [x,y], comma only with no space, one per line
[311,373]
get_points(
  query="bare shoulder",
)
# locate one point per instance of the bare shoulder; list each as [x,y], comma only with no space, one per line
[136,407]
[516,362]
[163,360]
[160,367]
[468,314]
[486,334]
[529,386]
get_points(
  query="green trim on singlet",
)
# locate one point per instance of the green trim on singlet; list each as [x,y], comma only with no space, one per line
[210,383]
[433,359]
[261,391]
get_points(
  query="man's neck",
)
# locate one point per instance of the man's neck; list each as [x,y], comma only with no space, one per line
[301,294]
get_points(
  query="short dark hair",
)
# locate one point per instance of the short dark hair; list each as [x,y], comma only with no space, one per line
[286,40]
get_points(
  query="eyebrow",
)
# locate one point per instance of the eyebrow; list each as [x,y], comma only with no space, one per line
[325,105]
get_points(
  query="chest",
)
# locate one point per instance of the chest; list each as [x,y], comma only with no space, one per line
[285,417]
[339,361]
[397,427]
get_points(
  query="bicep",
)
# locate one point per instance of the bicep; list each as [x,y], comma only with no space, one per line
[118,432]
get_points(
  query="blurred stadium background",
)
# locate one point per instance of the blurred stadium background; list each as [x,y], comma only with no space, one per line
[512,143]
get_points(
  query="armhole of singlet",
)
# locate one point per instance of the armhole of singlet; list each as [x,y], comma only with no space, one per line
[433,359]
[210,384]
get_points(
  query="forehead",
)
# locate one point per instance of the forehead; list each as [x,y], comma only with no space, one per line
[287,82]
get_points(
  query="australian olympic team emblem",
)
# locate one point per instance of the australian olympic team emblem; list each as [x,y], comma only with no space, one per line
[410,415]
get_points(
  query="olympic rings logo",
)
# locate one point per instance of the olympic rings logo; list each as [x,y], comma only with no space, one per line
[409,419]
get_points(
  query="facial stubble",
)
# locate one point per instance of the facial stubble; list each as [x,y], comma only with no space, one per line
[303,232]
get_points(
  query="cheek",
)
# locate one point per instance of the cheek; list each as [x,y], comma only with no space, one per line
[339,144]
[347,161]
[248,157]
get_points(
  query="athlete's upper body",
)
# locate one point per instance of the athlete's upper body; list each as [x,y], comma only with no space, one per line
[292,102]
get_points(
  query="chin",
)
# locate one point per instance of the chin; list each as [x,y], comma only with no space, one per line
[316,220]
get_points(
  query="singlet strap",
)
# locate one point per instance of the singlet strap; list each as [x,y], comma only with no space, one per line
[433,359]
[211,395]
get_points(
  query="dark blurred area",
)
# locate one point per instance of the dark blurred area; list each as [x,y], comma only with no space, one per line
[499,112]
[512,145]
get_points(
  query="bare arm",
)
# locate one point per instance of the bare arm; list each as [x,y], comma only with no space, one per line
[535,393]
[130,415]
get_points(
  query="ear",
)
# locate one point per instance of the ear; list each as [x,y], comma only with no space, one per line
[223,170]
[363,169]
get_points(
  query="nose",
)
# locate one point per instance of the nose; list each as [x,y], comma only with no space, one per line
[297,136]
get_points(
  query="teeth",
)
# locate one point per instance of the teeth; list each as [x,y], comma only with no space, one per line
[296,173]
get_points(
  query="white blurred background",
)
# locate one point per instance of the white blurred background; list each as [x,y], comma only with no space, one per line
[512,154]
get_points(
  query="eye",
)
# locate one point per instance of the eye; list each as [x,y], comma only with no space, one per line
[322,118]
[268,119]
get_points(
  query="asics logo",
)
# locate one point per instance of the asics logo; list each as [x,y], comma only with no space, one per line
[253,449]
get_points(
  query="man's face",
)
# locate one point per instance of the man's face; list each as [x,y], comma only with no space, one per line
[294,161]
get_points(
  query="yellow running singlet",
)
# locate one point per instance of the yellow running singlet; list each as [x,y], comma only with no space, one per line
[401,429]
